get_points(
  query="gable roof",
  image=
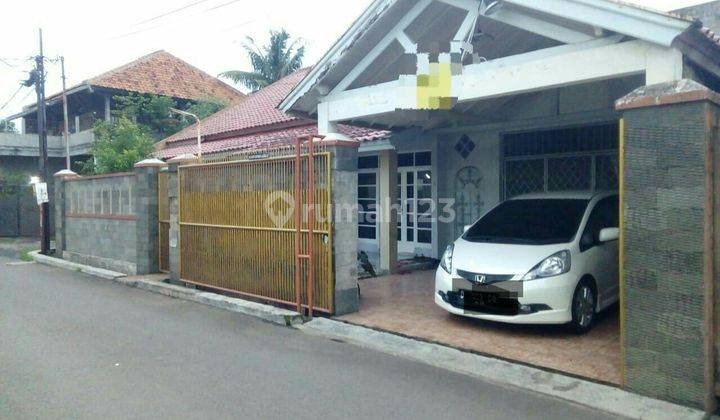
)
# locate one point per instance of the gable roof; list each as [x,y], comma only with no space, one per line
[158,73]
[161,73]
[612,15]
[258,110]
[254,124]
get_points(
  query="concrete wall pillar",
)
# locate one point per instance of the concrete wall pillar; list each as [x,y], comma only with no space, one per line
[387,212]
[668,213]
[61,204]
[146,209]
[345,223]
[174,206]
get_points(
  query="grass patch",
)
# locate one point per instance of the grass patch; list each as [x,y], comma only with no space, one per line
[25,254]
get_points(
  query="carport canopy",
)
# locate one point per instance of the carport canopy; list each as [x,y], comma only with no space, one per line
[496,50]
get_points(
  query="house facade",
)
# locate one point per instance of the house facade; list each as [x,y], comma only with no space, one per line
[90,101]
[157,73]
[489,100]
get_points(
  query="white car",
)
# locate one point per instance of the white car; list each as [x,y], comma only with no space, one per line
[535,259]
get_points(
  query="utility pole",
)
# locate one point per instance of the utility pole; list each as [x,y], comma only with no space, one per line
[65,115]
[39,77]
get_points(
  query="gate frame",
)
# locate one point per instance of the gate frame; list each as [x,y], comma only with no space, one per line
[276,155]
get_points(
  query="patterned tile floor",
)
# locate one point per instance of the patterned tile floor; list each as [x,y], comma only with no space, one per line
[404,304]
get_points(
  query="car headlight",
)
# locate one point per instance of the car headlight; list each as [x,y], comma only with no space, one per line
[551,266]
[446,260]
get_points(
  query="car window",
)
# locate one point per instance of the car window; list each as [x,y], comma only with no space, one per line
[606,214]
[535,221]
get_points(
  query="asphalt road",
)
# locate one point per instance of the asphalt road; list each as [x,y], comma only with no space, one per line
[72,346]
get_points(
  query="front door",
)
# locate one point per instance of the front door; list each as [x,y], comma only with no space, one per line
[415,204]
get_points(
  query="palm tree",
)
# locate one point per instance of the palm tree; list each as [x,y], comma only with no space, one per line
[270,63]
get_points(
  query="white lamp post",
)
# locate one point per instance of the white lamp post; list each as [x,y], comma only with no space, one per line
[199,130]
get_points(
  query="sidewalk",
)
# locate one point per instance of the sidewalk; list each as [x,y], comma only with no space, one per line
[17,247]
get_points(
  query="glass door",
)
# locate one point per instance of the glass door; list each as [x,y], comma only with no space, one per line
[415,204]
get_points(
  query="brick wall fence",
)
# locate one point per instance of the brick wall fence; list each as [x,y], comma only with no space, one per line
[668,220]
[109,221]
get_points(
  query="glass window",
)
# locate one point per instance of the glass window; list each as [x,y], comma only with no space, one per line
[425,236]
[422,159]
[368,162]
[406,159]
[606,173]
[536,221]
[367,232]
[524,176]
[367,192]
[606,214]
[570,174]
[367,179]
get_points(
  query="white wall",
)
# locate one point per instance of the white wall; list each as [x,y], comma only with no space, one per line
[485,157]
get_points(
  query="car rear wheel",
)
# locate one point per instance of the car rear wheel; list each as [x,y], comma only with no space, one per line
[583,307]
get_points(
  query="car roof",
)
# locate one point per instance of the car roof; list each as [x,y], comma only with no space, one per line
[566,195]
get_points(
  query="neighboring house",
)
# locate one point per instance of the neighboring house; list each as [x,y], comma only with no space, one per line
[708,13]
[158,73]
[490,100]
[254,124]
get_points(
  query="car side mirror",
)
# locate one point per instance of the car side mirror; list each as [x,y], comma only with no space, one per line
[609,235]
[466,228]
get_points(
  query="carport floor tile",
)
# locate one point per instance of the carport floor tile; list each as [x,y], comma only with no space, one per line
[404,304]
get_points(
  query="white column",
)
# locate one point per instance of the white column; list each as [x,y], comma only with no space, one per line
[325,126]
[663,65]
[108,115]
[387,215]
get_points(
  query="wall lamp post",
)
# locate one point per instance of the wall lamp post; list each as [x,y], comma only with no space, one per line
[197,125]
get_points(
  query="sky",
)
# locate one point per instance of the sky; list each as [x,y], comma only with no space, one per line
[96,36]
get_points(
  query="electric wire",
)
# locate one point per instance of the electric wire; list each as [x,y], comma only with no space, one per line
[162,15]
[160,25]
[11,97]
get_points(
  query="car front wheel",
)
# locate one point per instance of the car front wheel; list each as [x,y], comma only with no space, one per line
[583,307]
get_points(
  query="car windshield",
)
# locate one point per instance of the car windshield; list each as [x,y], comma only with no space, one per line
[535,221]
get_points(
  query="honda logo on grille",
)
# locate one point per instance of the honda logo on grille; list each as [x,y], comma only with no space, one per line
[479,278]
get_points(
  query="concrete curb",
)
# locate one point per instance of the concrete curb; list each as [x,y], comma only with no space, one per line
[60,263]
[600,397]
[265,312]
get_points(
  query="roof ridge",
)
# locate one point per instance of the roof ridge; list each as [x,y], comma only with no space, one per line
[128,64]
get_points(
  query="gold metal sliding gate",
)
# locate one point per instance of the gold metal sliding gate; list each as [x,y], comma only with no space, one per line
[238,228]
[163,222]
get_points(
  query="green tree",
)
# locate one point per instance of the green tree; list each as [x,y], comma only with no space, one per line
[204,109]
[153,111]
[118,146]
[270,63]
[149,110]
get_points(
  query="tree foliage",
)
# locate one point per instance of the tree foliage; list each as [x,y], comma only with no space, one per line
[149,110]
[270,63]
[153,111]
[204,109]
[139,120]
[118,146]
[13,178]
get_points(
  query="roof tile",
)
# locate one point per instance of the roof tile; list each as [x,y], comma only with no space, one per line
[161,73]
